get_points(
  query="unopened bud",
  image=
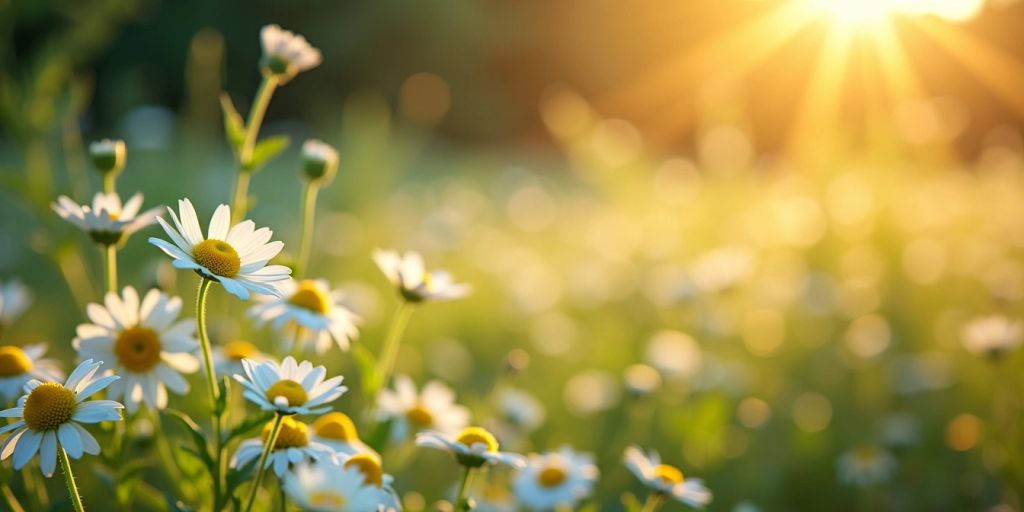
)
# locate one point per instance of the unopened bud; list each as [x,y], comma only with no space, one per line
[319,161]
[109,156]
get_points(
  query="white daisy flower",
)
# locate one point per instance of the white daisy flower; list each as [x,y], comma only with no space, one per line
[141,342]
[992,336]
[520,409]
[336,429]
[473,447]
[286,54]
[327,487]
[289,388]
[106,221]
[293,446]
[866,466]
[15,298]
[20,365]
[309,313]
[555,479]
[52,412]
[666,480]
[227,358]
[370,466]
[410,411]
[414,283]
[319,161]
[236,258]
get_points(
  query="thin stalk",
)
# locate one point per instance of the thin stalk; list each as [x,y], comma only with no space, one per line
[308,213]
[110,268]
[252,129]
[389,352]
[108,182]
[204,341]
[164,449]
[268,446]
[654,500]
[461,500]
[10,499]
[69,478]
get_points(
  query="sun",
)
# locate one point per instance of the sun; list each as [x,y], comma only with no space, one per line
[856,13]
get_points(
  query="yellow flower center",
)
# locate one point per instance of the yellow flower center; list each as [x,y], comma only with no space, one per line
[337,426]
[13,361]
[369,466]
[474,435]
[311,297]
[291,390]
[420,416]
[239,349]
[293,434]
[551,476]
[138,348]
[325,499]
[218,257]
[668,474]
[49,406]
[428,281]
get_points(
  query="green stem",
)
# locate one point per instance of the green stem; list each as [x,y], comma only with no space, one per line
[389,352]
[308,213]
[204,340]
[10,499]
[654,500]
[110,267]
[252,129]
[108,182]
[461,500]
[69,477]
[268,446]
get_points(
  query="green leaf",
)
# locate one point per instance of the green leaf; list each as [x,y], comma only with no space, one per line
[222,398]
[247,426]
[267,150]
[198,437]
[234,126]
[235,478]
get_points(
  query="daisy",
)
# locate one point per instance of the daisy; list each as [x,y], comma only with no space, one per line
[432,409]
[141,342]
[286,54]
[414,283]
[370,466]
[336,429]
[665,480]
[473,448]
[109,156]
[555,479]
[236,258]
[107,221]
[15,298]
[326,487]
[227,359]
[52,412]
[866,466]
[289,388]
[292,446]
[309,313]
[520,409]
[992,336]
[20,365]
[319,161]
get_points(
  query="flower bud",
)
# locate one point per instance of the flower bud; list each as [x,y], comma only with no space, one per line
[109,156]
[319,161]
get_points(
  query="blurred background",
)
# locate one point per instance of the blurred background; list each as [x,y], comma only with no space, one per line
[750,234]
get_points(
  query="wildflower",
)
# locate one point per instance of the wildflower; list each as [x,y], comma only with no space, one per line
[286,54]
[414,283]
[227,359]
[107,221]
[992,336]
[109,156]
[289,388]
[309,313]
[409,411]
[293,445]
[236,258]
[336,429]
[555,479]
[665,481]
[15,298]
[369,465]
[325,487]
[866,466]
[141,342]
[473,448]
[20,365]
[319,161]
[521,409]
[51,412]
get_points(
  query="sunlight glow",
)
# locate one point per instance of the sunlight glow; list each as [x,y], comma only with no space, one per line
[863,13]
